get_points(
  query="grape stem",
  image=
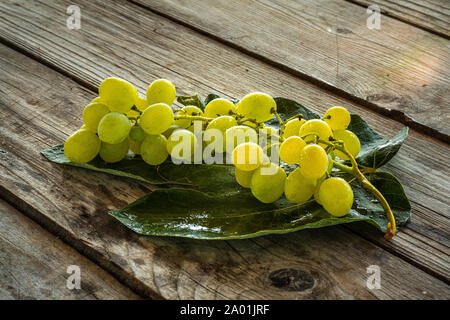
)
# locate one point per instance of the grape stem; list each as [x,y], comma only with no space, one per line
[243,121]
[354,170]
[298,116]
[278,117]
[193,118]
[134,108]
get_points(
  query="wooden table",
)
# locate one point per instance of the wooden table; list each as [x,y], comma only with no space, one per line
[320,53]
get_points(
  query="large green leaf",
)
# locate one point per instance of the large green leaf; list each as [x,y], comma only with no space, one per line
[376,151]
[211,205]
[237,214]
[215,176]
[191,101]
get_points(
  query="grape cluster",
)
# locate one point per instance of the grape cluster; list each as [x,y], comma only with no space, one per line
[119,121]
[314,146]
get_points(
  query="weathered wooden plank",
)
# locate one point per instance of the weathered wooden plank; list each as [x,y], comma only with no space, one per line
[42,108]
[431,15]
[399,70]
[159,48]
[34,264]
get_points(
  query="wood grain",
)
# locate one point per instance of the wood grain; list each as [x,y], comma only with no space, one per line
[431,15]
[159,48]
[400,71]
[42,108]
[34,264]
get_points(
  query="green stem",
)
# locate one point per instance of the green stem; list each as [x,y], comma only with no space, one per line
[299,116]
[354,169]
[342,167]
[391,227]
[278,118]
[193,118]
[134,108]
[243,121]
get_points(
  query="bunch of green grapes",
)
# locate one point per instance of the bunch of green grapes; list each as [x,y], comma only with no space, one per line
[120,121]
[315,146]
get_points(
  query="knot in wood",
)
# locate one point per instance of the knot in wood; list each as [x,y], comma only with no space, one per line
[291,279]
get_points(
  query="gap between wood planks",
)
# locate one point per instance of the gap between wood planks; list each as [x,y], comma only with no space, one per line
[395,16]
[106,264]
[385,246]
[394,114]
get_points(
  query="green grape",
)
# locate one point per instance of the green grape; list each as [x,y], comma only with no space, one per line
[156,119]
[292,128]
[244,178]
[291,148]
[169,131]
[313,161]
[316,190]
[187,111]
[219,107]
[237,135]
[319,127]
[93,113]
[161,91]
[337,118]
[336,196]
[267,184]
[98,99]
[221,123]
[141,104]
[119,95]
[114,152]
[136,133]
[114,128]
[181,144]
[351,143]
[82,146]
[135,146]
[154,149]
[248,156]
[257,105]
[297,188]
